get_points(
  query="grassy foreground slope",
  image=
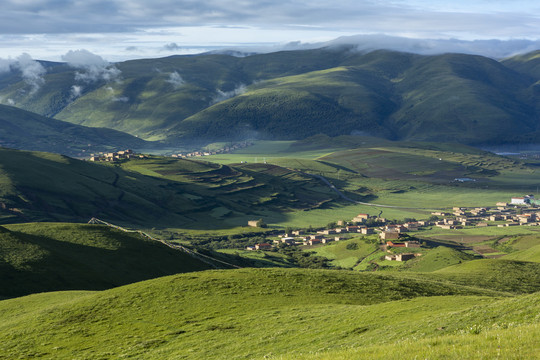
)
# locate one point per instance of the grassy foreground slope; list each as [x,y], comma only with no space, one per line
[59,256]
[250,313]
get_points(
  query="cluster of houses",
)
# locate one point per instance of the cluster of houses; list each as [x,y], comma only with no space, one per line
[224,150]
[392,235]
[503,215]
[116,156]
[326,236]
[390,231]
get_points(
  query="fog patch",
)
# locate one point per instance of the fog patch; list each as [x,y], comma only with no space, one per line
[175,80]
[31,71]
[11,102]
[5,65]
[93,67]
[493,48]
[171,47]
[76,91]
[124,99]
[224,95]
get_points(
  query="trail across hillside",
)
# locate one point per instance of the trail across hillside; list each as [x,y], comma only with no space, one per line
[204,258]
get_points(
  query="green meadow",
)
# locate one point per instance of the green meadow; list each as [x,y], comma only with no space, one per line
[246,314]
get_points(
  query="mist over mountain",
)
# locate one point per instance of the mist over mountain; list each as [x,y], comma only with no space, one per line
[341,89]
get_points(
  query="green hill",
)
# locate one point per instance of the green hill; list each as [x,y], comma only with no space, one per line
[43,257]
[530,254]
[436,259]
[253,313]
[503,275]
[21,129]
[297,94]
[155,192]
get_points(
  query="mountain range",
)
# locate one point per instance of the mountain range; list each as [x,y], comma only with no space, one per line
[293,95]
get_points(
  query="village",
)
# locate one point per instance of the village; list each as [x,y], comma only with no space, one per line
[130,154]
[521,211]
[116,156]
[224,150]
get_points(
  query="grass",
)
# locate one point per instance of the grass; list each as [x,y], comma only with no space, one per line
[180,193]
[346,253]
[258,259]
[436,259]
[42,257]
[295,94]
[253,313]
[530,254]
[515,342]
[154,193]
[503,275]
[26,130]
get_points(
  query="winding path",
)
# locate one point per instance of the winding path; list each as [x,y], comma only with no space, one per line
[204,258]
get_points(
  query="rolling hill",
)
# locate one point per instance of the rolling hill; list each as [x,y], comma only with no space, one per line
[297,94]
[155,192]
[42,257]
[272,313]
[20,129]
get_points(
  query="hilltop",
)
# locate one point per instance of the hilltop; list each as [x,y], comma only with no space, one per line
[20,129]
[252,313]
[296,94]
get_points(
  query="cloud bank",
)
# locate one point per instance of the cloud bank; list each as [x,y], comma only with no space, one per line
[94,67]
[31,70]
[491,48]
[138,28]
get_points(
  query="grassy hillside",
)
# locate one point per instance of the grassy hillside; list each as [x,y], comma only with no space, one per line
[410,179]
[346,253]
[43,257]
[503,275]
[296,94]
[155,192]
[531,254]
[436,259]
[21,129]
[334,101]
[256,313]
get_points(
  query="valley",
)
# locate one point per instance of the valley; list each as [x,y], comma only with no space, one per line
[313,204]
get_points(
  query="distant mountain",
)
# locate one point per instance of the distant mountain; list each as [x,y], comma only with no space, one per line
[20,129]
[297,94]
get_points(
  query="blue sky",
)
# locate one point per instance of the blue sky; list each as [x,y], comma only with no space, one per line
[125,29]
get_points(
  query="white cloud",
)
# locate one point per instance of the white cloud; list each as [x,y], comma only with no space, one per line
[138,28]
[94,67]
[76,91]
[175,80]
[224,95]
[31,70]
[491,48]
[5,65]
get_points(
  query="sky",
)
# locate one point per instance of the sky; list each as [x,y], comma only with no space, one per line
[117,30]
